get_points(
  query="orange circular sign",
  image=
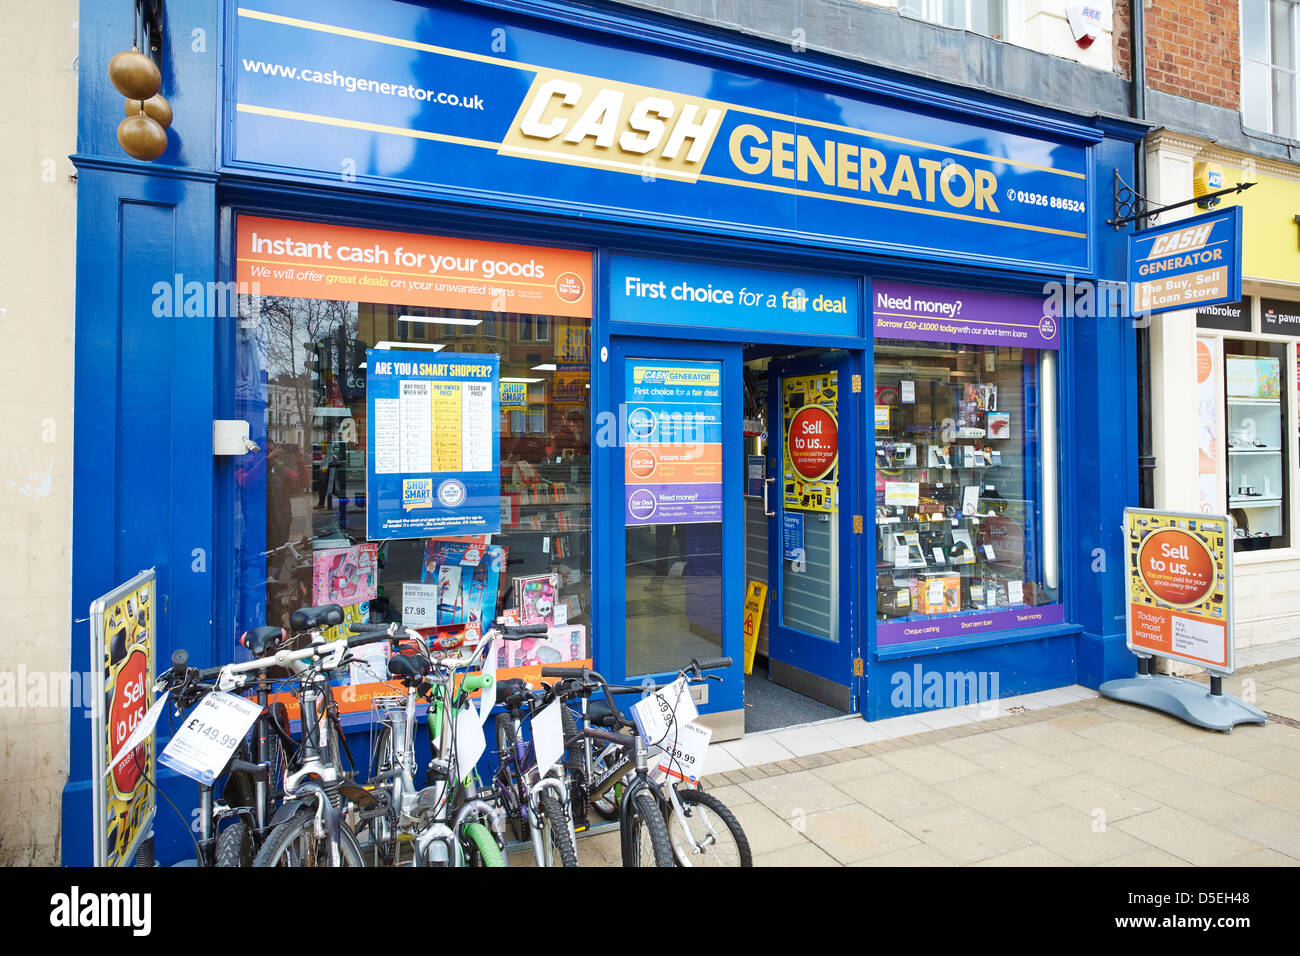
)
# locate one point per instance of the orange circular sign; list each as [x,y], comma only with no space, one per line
[130,700]
[1204,362]
[1176,567]
[642,463]
[813,442]
[570,287]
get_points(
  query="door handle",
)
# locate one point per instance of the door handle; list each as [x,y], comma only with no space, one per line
[767,512]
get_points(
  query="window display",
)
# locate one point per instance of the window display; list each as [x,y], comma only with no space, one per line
[1257,455]
[959,497]
[301,500]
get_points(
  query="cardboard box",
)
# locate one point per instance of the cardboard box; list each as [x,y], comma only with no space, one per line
[939,594]
[567,643]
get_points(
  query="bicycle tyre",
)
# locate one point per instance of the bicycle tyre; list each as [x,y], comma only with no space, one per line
[383,843]
[645,818]
[235,845]
[506,762]
[558,824]
[276,850]
[712,804]
[485,845]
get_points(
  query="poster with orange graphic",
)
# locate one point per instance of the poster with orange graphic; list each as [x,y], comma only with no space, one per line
[1179,573]
[311,260]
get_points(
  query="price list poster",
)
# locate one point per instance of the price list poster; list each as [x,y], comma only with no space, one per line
[433,445]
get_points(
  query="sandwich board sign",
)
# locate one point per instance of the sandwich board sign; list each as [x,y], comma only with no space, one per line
[123,640]
[1178,580]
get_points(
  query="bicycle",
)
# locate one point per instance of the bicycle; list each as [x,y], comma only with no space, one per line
[308,828]
[445,820]
[539,804]
[679,824]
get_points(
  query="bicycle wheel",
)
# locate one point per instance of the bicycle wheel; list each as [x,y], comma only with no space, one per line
[381,828]
[235,846]
[294,843]
[558,824]
[509,776]
[482,846]
[647,843]
[713,836]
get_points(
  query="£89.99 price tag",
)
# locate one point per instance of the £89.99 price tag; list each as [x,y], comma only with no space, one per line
[210,734]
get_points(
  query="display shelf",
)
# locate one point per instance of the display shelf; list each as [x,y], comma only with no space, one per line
[1254,451]
[1273,501]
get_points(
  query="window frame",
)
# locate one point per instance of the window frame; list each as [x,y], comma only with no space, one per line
[1272,69]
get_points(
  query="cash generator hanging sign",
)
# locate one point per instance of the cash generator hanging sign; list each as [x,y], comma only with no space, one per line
[445,99]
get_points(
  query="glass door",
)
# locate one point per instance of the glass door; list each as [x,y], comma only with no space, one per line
[812,640]
[679,498]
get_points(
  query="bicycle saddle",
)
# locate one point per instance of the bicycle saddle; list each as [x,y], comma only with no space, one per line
[262,640]
[414,668]
[598,713]
[310,618]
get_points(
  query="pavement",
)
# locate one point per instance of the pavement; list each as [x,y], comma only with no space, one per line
[1062,778]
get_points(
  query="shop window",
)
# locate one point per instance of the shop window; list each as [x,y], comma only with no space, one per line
[1270,38]
[302,499]
[966,508]
[1258,455]
[987,17]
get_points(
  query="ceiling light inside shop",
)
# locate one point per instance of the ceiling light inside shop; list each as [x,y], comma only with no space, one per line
[526,381]
[408,345]
[438,320]
[544,368]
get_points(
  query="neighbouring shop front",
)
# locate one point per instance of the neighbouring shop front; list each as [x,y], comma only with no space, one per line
[1240,430]
[560,311]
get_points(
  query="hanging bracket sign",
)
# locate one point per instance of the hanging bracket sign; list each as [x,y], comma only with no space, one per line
[1190,264]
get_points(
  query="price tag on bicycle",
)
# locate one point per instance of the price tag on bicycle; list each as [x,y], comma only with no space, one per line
[683,753]
[658,713]
[202,747]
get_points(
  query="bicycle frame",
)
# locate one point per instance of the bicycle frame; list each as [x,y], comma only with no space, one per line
[436,842]
[529,794]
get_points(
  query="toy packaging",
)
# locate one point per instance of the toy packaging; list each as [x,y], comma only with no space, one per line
[467,576]
[560,644]
[535,597]
[345,575]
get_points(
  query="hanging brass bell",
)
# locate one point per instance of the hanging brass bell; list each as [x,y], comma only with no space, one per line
[155,107]
[135,75]
[142,137]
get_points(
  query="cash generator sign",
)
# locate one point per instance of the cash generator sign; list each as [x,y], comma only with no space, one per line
[805,161]
[1193,263]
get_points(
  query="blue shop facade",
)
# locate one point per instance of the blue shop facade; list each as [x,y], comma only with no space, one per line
[766,329]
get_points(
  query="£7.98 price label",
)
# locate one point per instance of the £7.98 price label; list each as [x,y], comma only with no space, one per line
[210,734]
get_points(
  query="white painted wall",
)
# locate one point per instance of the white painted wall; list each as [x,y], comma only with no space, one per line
[38,131]
[1041,25]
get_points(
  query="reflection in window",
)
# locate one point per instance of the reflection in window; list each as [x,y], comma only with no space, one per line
[302,387]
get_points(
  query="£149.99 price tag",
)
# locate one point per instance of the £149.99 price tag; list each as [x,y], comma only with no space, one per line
[210,734]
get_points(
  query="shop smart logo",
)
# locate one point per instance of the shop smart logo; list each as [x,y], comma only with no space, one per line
[417,493]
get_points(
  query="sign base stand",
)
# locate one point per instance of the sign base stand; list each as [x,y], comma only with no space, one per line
[1185,699]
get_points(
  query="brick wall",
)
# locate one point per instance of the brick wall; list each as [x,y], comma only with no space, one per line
[1193,49]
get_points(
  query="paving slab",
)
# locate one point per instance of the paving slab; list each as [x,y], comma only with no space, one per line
[1063,778]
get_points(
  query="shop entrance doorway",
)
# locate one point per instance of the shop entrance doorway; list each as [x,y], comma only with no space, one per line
[731,469]
[804,541]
